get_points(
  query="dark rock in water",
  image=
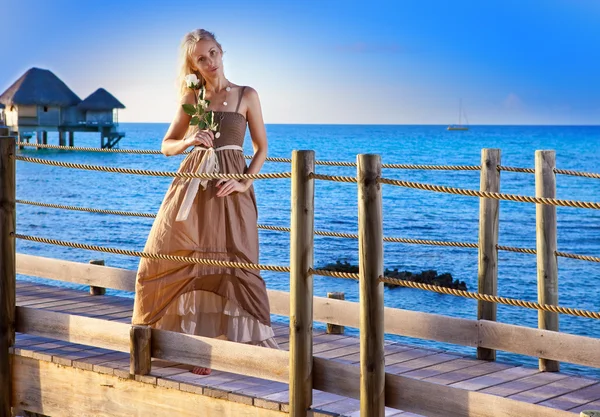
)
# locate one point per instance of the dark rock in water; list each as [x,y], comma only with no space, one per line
[430,277]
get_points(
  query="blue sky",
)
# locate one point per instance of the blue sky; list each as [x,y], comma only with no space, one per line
[389,62]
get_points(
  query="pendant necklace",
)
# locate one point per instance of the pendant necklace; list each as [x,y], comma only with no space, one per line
[227,90]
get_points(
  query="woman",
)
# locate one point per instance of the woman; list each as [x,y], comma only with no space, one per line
[214,219]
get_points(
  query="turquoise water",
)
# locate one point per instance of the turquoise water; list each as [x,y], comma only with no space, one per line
[407,213]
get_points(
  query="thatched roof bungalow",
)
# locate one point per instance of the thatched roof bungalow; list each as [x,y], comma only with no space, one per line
[99,107]
[39,100]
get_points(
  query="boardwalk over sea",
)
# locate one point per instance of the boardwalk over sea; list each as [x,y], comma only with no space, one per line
[557,390]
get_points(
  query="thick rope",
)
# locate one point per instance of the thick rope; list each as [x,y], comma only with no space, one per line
[580,257]
[184,259]
[488,194]
[152,173]
[334,274]
[493,298]
[327,163]
[515,169]
[556,171]
[577,173]
[86,149]
[91,210]
[323,232]
[336,178]
[346,275]
[518,250]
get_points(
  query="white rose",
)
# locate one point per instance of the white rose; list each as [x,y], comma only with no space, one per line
[192,81]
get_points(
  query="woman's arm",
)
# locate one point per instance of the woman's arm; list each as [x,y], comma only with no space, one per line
[172,143]
[258,134]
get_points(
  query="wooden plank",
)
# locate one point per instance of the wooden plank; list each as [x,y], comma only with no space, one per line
[301,282]
[107,395]
[442,368]
[77,329]
[76,272]
[554,389]
[523,384]
[423,362]
[495,378]
[396,321]
[575,399]
[547,263]
[487,265]
[223,355]
[594,405]
[426,398]
[563,347]
[467,373]
[443,401]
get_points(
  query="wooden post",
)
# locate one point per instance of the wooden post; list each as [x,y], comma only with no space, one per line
[7,266]
[38,137]
[335,328]
[547,265]
[301,283]
[370,246]
[487,267]
[97,290]
[71,138]
[44,137]
[140,359]
[61,138]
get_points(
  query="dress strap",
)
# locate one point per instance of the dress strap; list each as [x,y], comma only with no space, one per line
[240,100]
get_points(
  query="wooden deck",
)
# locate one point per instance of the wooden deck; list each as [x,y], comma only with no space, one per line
[557,390]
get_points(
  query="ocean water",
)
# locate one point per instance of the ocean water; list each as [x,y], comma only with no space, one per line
[407,213]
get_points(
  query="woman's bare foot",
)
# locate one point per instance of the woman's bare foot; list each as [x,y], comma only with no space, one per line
[200,371]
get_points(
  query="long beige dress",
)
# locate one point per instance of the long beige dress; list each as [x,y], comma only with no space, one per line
[212,301]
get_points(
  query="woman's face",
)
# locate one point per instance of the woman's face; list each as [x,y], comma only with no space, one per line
[207,58]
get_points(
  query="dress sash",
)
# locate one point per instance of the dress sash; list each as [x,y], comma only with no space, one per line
[209,164]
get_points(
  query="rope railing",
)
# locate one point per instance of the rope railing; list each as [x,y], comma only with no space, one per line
[556,171]
[151,172]
[323,232]
[489,194]
[183,259]
[493,298]
[321,272]
[466,294]
[324,163]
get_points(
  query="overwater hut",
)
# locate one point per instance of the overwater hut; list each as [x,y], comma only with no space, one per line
[40,102]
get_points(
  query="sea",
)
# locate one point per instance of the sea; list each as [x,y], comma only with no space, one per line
[407,213]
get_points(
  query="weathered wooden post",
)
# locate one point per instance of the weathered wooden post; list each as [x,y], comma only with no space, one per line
[140,360]
[370,247]
[487,267]
[335,328]
[44,137]
[547,265]
[301,283]
[71,138]
[61,138]
[7,266]
[97,290]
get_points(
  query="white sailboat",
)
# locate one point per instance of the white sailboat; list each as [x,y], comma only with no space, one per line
[459,126]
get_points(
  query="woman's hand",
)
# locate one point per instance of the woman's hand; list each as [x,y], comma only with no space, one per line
[202,137]
[230,186]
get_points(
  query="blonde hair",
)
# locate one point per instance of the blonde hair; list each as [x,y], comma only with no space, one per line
[187,66]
